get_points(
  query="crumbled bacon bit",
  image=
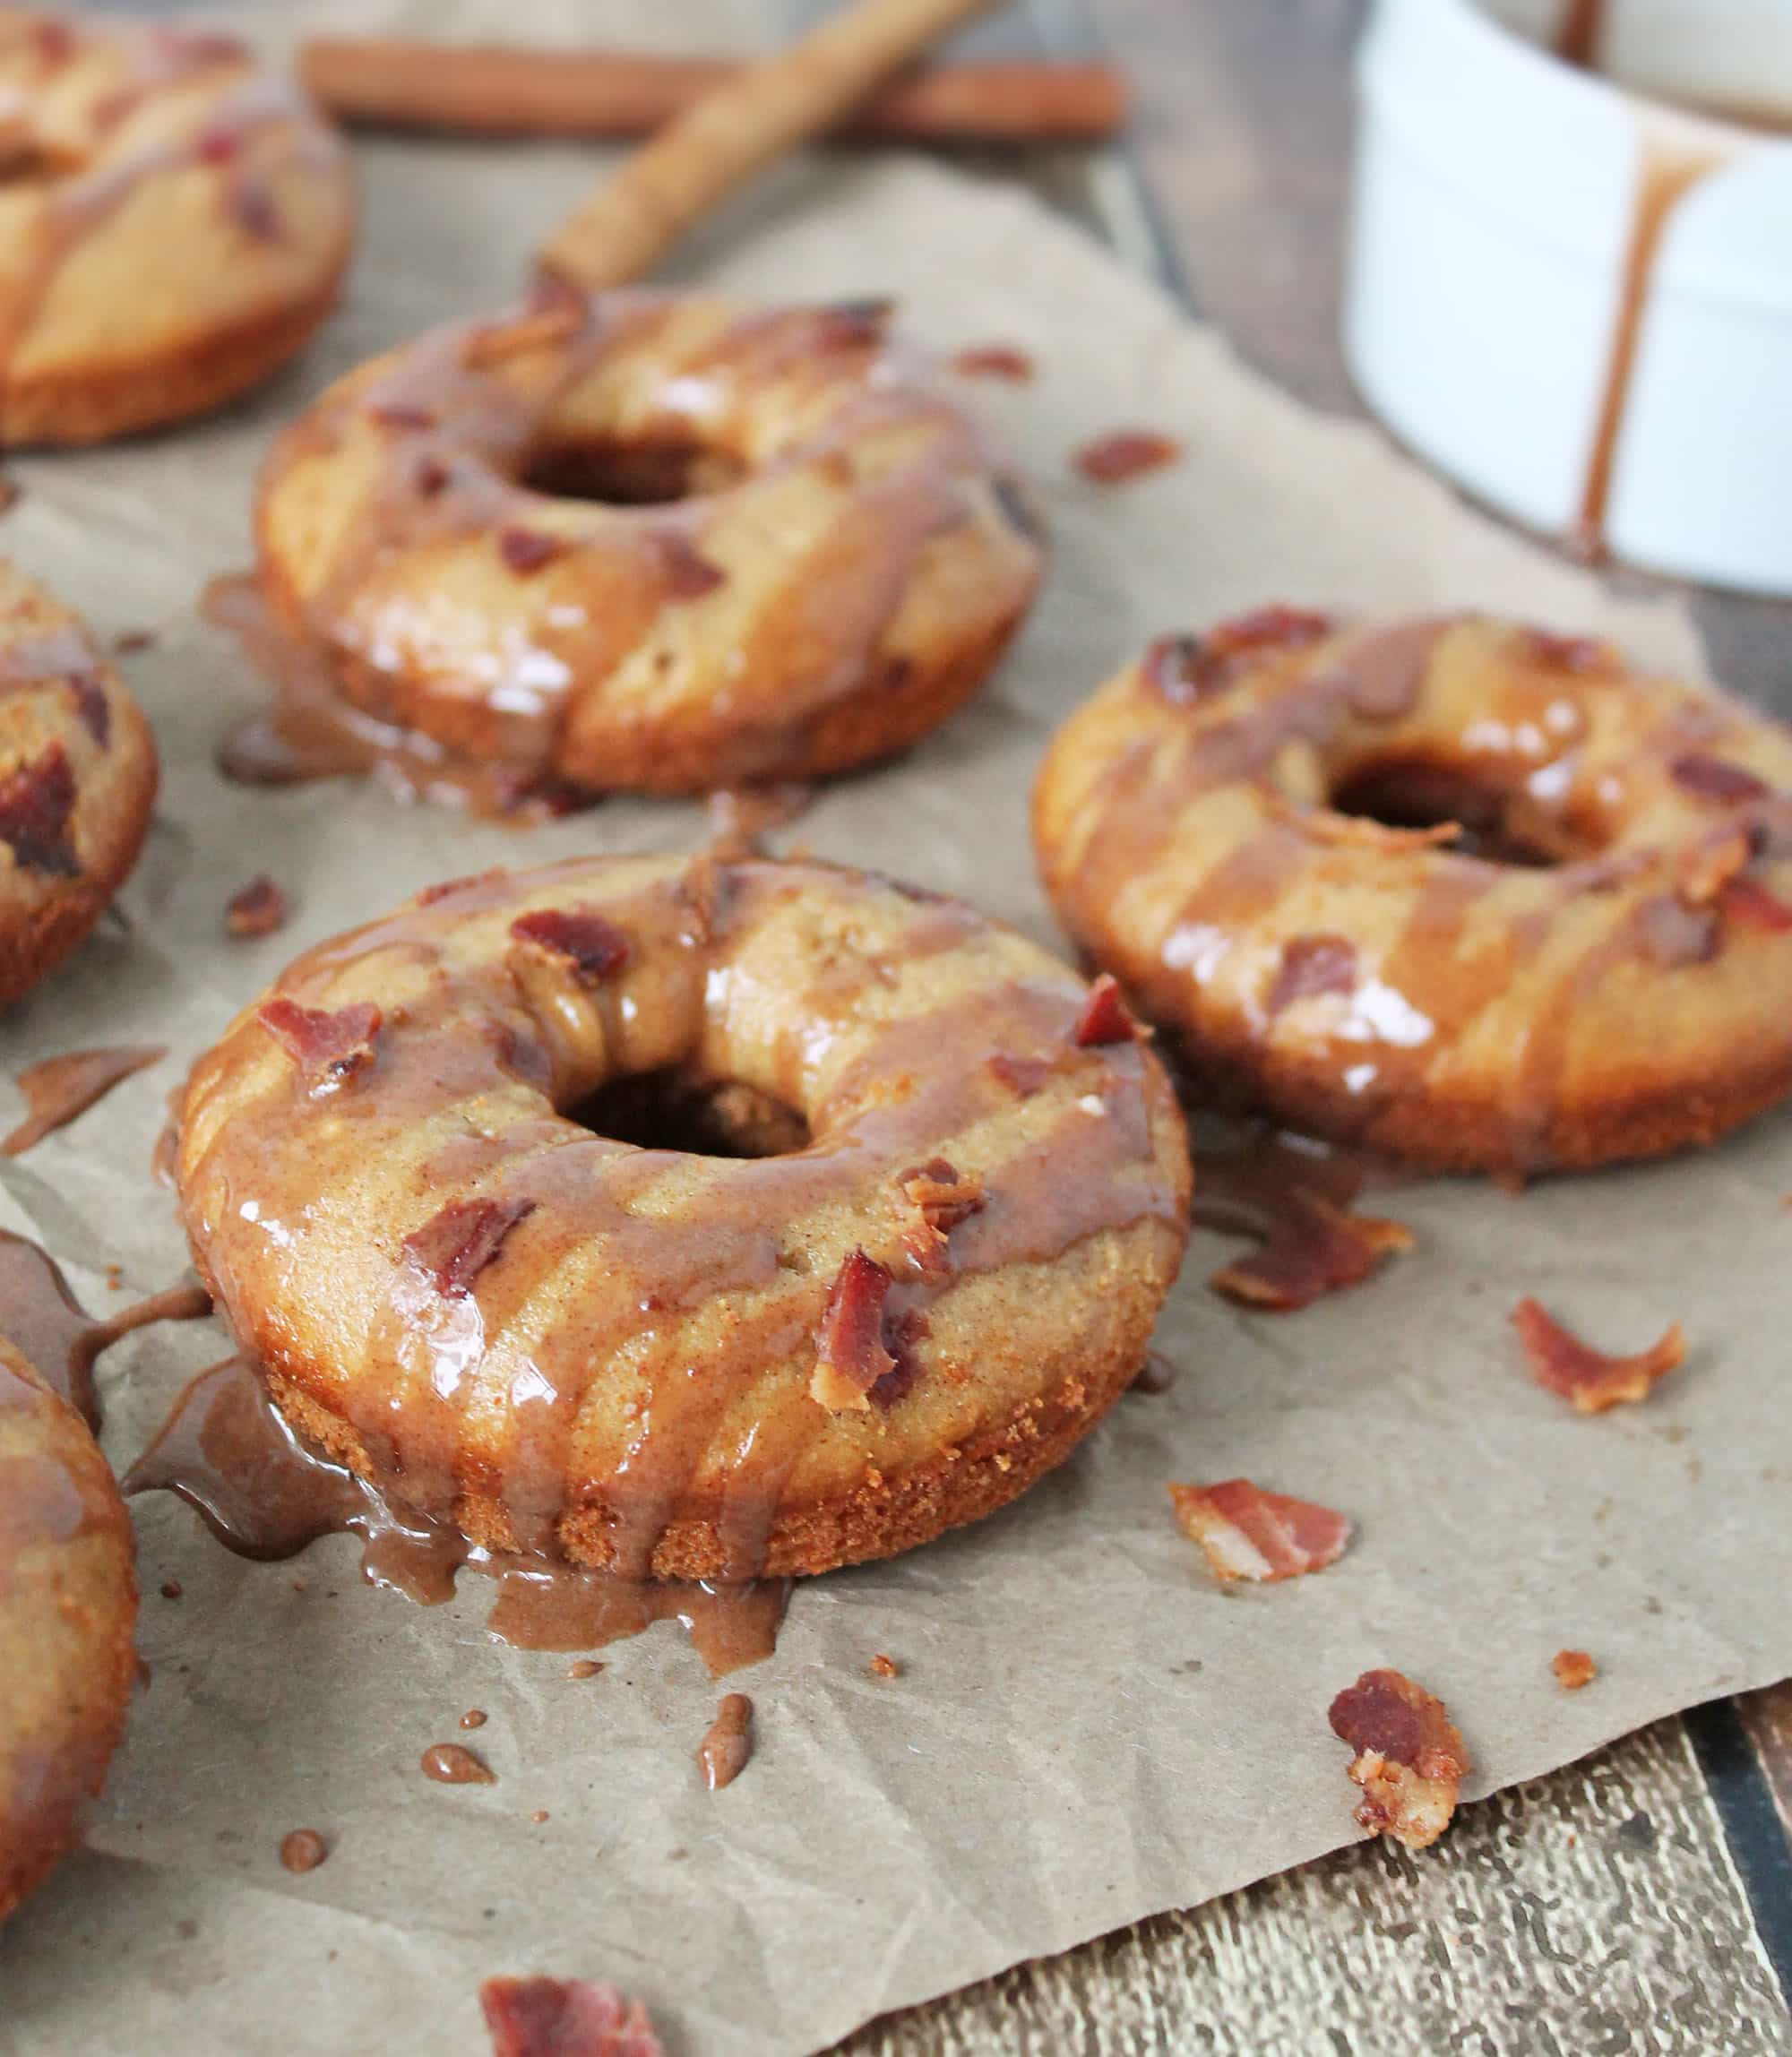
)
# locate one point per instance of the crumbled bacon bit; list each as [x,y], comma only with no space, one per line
[1410,1758]
[1125,454]
[399,414]
[303,1850]
[36,802]
[850,1357]
[92,706]
[1314,1248]
[328,1047]
[1713,779]
[1004,361]
[1187,669]
[431,476]
[689,574]
[528,550]
[218,146]
[461,1239]
[1573,1669]
[591,943]
[883,1666]
[945,1195]
[1707,866]
[1247,1533]
[1312,965]
[1749,902]
[258,908]
[1105,1018]
[54,41]
[252,207]
[1024,1076]
[565,2017]
[1563,1364]
[132,641]
[1566,653]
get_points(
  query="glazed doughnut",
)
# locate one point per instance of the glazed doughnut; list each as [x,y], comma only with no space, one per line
[1251,829]
[173,226]
[77,782]
[658,1361]
[68,1609]
[800,557]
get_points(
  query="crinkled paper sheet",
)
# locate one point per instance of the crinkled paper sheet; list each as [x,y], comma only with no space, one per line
[1086,1729]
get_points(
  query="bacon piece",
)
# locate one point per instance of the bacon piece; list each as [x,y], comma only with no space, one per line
[1125,454]
[1104,1018]
[1573,1669]
[1566,653]
[528,550]
[36,802]
[885,1667]
[591,943]
[431,476]
[1247,1533]
[400,414]
[1749,902]
[131,641]
[1005,361]
[1314,1247]
[1410,1758]
[255,211]
[1709,865]
[689,574]
[1714,778]
[461,1239]
[565,2017]
[92,706]
[1311,965]
[850,1357]
[328,1047]
[1563,1364]
[943,1197]
[1024,1076]
[1187,669]
[258,908]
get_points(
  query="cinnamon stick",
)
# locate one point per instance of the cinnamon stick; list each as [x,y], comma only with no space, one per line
[500,90]
[736,130]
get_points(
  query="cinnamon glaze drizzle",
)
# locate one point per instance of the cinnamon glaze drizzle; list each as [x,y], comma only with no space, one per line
[59,1089]
[41,1318]
[266,1494]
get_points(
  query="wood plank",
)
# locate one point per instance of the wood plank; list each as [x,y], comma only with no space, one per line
[1597,1909]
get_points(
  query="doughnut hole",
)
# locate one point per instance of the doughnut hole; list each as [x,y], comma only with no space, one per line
[670,1110]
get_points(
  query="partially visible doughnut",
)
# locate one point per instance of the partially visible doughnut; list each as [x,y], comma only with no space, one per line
[174,223]
[1610,977]
[657,1361]
[77,782]
[799,557]
[68,1610]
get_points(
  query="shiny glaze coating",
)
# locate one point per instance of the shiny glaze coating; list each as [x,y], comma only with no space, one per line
[1623,988]
[174,229]
[570,1345]
[68,1607]
[77,782]
[801,558]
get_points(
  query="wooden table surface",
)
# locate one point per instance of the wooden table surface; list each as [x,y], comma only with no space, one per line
[1641,1901]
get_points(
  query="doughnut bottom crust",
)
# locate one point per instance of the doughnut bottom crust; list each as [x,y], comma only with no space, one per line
[71,408]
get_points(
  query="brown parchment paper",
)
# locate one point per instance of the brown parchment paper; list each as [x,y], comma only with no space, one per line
[1086,1728]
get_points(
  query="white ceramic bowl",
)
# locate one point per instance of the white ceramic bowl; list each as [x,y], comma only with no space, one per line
[1495,256]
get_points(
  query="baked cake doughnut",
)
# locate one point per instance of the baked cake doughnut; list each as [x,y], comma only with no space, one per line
[799,556]
[68,1608]
[658,1361]
[173,225]
[1598,965]
[77,782]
